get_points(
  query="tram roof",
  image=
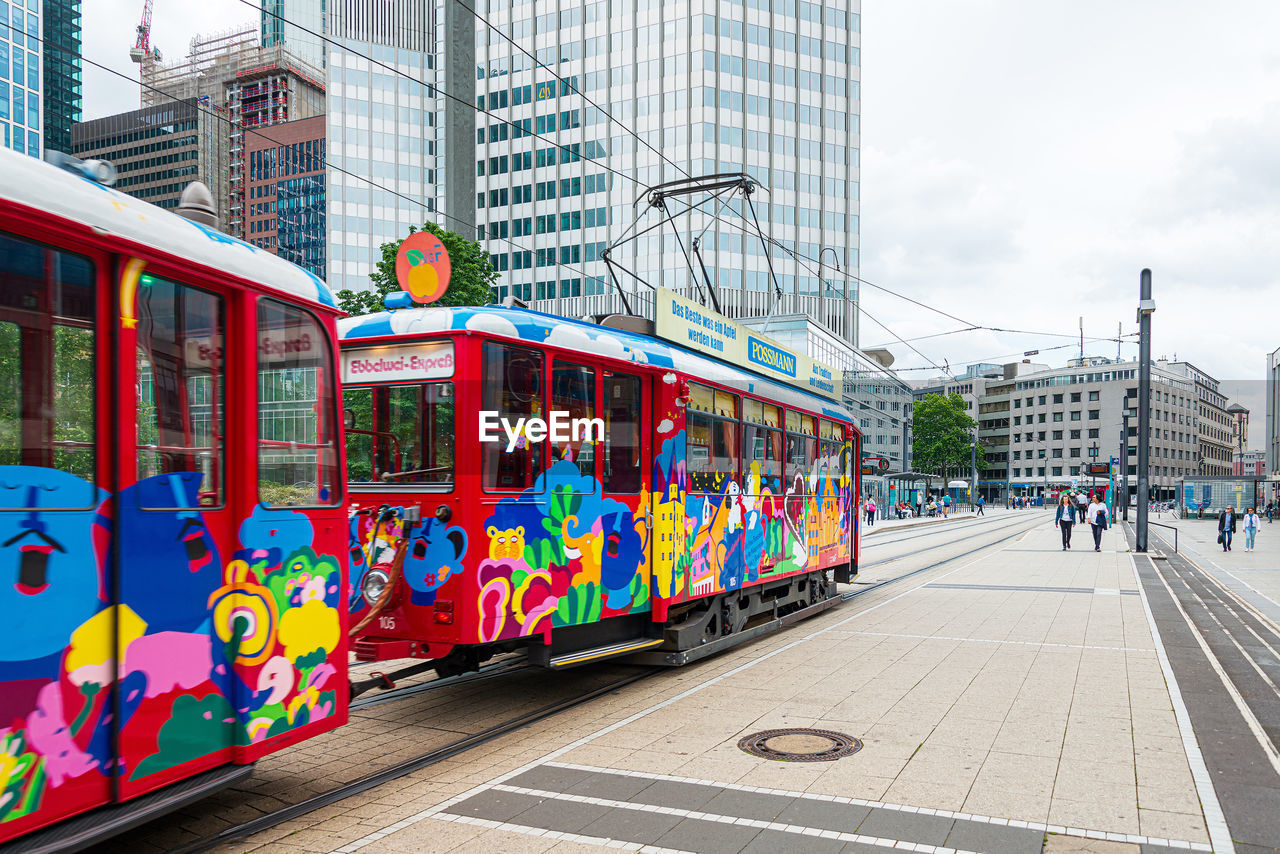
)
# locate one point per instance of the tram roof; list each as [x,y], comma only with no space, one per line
[535,327]
[36,184]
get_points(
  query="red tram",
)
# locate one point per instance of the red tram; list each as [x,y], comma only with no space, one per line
[172,528]
[519,480]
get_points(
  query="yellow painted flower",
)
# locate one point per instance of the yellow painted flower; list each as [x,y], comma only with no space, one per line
[311,626]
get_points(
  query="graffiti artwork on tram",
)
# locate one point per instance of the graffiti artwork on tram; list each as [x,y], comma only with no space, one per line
[562,554]
[211,654]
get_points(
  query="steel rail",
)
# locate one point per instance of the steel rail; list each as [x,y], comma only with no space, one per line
[408,766]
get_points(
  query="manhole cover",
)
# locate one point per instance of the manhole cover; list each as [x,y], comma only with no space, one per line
[800,745]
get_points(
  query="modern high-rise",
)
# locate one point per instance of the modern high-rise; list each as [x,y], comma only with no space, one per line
[285,192]
[298,26]
[769,88]
[400,150]
[21,101]
[63,72]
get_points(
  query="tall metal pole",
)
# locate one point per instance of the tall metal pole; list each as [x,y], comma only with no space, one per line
[1146,306]
[1124,462]
[973,464]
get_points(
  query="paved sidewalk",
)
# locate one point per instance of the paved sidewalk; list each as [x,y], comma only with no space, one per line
[1009,700]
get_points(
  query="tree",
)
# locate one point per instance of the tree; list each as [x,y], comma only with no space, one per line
[942,436]
[470,283]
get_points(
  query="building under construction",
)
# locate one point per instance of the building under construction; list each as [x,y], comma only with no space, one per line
[243,87]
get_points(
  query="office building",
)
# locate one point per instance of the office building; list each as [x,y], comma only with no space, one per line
[284,189]
[771,89]
[243,88]
[298,26]
[1063,419]
[21,101]
[402,152]
[1273,421]
[156,150]
[63,72]
[1215,442]
[1249,464]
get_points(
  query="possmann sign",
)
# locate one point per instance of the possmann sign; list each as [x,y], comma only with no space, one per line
[424,360]
[691,325]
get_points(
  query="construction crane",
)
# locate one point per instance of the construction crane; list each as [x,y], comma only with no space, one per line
[142,52]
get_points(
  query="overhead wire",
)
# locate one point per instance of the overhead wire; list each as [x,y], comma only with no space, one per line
[327,164]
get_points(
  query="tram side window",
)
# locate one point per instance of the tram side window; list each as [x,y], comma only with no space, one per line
[762,441]
[297,450]
[512,389]
[181,387]
[573,391]
[47,361]
[711,425]
[400,434]
[802,450]
[622,402]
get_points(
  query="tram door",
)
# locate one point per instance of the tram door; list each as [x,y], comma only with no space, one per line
[181,475]
[626,565]
[54,432]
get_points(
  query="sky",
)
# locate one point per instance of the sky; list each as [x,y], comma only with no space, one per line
[1021,163]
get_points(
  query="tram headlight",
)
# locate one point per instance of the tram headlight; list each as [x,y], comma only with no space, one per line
[375,581]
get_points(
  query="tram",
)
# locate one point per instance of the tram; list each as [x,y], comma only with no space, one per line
[708,504]
[173,536]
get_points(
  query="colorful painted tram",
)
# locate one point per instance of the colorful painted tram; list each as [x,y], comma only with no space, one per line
[522,481]
[172,527]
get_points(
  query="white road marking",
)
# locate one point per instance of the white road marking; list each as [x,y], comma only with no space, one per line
[862,802]
[1017,643]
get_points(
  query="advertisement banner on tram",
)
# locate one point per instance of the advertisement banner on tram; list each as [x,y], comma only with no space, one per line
[685,322]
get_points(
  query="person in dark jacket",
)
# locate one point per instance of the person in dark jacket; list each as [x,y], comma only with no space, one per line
[1226,527]
[1065,519]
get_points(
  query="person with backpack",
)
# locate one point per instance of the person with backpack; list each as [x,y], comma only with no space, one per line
[981,504]
[870,507]
[1097,515]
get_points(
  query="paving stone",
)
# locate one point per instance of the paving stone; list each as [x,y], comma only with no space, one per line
[494,805]
[549,778]
[685,796]
[747,805]
[708,837]
[556,814]
[775,841]
[826,815]
[980,836]
[906,826]
[631,825]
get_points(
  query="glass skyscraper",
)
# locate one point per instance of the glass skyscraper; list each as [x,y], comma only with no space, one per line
[21,104]
[766,87]
[63,72]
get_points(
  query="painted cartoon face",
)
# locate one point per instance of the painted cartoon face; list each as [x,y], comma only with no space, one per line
[49,570]
[169,561]
[435,553]
[270,536]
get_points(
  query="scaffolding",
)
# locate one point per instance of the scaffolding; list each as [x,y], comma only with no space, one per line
[233,77]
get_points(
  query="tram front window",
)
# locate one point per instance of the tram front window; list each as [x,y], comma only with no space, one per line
[400,434]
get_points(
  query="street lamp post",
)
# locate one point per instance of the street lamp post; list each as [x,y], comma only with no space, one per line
[1146,307]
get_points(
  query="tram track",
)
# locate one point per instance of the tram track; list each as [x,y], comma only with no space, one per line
[408,766]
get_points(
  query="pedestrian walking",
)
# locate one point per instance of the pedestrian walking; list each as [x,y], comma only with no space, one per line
[1097,515]
[982,502]
[1226,527]
[1064,519]
[870,507]
[946,505]
[1250,525]
[1270,509]
[1082,505]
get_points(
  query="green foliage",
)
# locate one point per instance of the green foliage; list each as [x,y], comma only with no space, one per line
[580,604]
[470,283]
[639,593]
[942,433]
